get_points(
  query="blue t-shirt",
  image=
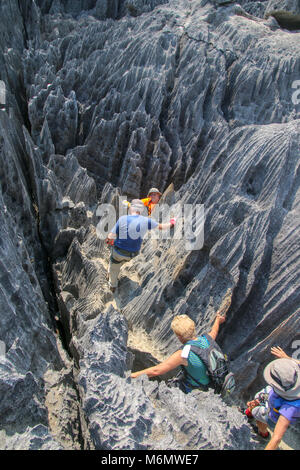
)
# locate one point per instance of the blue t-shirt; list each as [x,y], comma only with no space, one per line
[130,230]
[289,409]
[275,405]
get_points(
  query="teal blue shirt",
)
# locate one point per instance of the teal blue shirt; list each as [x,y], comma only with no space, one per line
[195,366]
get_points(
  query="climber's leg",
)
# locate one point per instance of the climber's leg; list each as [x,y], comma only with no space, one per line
[116,261]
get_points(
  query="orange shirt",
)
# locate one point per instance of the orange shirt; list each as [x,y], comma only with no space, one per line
[150,205]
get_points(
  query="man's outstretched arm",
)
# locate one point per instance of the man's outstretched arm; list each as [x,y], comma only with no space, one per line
[169,364]
[167,225]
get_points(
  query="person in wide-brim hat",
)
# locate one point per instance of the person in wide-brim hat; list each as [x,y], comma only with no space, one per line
[284,377]
[279,402]
[152,199]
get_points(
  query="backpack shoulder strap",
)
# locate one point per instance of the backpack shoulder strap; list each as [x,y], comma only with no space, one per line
[203,353]
[213,343]
[195,349]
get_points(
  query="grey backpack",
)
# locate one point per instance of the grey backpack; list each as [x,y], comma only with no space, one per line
[216,363]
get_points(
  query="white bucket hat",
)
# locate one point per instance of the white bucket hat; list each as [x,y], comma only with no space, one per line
[154,190]
[284,377]
[138,205]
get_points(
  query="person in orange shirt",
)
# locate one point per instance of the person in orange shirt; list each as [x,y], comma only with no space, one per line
[152,199]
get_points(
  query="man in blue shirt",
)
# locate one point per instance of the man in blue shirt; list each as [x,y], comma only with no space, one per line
[126,238]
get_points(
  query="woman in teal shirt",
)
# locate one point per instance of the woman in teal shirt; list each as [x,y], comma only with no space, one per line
[184,328]
[195,370]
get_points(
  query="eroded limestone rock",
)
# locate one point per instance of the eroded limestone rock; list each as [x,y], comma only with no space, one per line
[102,102]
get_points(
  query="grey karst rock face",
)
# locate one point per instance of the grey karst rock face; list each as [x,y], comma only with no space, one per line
[286,13]
[37,438]
[107,99]
[292,6]
[31,347]
[137,7]
[145,413]
[101,9]
[254,8]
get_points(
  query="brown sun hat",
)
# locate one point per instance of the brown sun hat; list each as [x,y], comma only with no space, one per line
[284,377]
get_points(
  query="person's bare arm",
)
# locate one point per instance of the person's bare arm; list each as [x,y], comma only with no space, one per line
[215,328]
[112,236]
[169,364]
[280,429]
[278,352]
[165,226]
